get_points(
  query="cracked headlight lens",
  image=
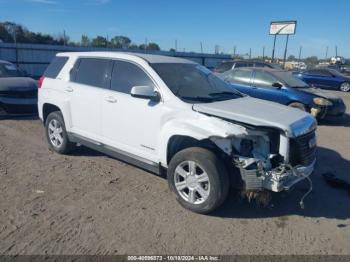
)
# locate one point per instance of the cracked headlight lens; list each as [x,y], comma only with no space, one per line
[320,101]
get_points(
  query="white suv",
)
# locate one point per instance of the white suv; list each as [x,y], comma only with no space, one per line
[172,116]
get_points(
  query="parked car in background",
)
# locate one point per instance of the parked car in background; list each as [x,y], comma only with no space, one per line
[18,94]
[232,64]
[341,68]
[172,115]
[282,87]
[325,78]
[345,69]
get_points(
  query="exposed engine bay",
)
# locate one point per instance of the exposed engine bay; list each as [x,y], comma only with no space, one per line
[265,158]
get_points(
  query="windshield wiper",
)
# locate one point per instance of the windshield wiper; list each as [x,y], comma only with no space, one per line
[225,93]
[198,98]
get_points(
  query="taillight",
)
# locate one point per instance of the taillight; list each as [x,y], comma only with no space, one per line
[41,81]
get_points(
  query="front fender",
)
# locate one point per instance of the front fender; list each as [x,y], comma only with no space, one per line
[197,126]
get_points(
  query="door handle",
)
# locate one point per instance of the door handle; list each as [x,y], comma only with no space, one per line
[111,99]
[69,89]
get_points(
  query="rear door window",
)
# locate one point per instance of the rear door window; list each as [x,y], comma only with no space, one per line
[126,75]
[56,66]
[93,72]
[318,72]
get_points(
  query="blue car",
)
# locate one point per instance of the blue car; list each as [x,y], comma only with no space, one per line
[282,87]
[325,78]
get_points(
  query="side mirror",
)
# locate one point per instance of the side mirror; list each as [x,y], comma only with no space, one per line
[277,85]
[145,92]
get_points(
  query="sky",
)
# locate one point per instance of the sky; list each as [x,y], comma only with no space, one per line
[240,23]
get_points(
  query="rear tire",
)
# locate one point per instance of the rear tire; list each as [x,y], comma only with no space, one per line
[345,87]
[56,133]
[199,179]
[298,106]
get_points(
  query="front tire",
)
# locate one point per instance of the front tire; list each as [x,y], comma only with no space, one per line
[199,179]
[56,133]
[345,87]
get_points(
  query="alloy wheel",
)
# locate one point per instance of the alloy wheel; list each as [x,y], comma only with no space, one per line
[192,182]
[345,87]
[55,133]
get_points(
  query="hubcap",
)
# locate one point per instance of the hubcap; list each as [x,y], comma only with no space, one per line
[345,87]
[192,182]
[55,133]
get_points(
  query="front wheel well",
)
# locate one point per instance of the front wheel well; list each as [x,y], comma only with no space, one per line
[178,142]
[48,109]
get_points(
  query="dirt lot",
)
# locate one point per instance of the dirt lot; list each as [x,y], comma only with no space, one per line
[88,203]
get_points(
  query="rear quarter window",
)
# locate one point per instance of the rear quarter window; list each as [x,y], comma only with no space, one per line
[56,66]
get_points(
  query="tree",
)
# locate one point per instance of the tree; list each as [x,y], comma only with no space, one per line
[99,41]
[133,46]
[172,50]
[291,58]
[5,36]
[142,47]
[85,41]
[153,46]
[120,42]
[311,60]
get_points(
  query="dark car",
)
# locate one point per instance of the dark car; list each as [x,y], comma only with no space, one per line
[232,64]
[345,69]
[325,78]
[18,94]
[282,87]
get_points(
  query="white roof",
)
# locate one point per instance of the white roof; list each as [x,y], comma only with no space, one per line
[147,57]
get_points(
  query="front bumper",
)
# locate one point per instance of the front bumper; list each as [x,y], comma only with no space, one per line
[279,182]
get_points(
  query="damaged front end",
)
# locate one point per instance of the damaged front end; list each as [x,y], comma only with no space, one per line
[272,159]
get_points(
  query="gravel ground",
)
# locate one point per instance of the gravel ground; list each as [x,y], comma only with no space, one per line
[88,203]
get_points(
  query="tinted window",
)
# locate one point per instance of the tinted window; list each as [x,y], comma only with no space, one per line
[237,65]
[127,75]
[55,67]
[264,79]
[289,79]
[320,72]
[223,67]
[259,65]
[238,76]
[92,71]
[194,83]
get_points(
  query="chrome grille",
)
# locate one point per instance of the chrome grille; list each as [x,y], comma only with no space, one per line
[303,149]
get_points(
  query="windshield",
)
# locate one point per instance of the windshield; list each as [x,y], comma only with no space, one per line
[9,70]
[289,80]
[194,83]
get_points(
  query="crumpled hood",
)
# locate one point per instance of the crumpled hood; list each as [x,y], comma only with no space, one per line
[321,93]
[258,112]
[17,84]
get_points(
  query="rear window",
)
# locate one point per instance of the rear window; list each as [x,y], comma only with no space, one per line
[93,72]
[56,66]
[223,67]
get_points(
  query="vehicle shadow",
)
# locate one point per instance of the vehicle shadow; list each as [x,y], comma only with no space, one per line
[324,201]
[341,121]
[85,151]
